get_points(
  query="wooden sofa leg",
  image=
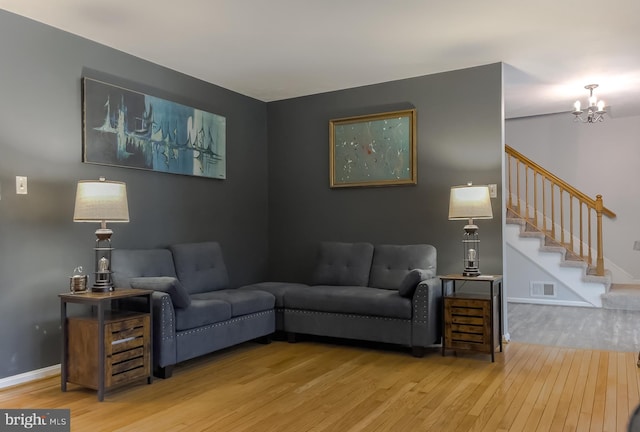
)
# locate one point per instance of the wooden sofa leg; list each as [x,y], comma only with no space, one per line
[291,337]
[163,372]
[417,351]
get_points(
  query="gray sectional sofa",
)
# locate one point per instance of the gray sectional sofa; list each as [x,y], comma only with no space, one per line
[195,312]
[387,293]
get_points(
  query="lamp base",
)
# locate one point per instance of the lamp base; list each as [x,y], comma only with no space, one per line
[471,271]
[102,288]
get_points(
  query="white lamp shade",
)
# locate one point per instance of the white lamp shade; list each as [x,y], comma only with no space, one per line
[470,202]
[101,201]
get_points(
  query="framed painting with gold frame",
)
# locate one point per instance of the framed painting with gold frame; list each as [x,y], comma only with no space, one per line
[373,150]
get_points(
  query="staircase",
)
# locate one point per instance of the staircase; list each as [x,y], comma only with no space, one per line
[574,284]
[553,225]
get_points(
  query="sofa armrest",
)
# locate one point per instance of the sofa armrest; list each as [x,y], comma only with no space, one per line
[164,326]
[426,326]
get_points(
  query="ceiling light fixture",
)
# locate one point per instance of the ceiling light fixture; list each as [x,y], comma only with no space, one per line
[595,108]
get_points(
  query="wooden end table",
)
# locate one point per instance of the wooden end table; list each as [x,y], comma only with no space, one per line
[108,347]
[472,320]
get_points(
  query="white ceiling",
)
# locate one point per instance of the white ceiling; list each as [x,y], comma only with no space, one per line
[279,49]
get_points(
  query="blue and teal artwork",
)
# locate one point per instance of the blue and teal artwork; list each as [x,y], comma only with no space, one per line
[134,130]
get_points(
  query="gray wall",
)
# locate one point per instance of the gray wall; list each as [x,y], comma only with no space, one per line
[274,203]
[41,137]
[459,126]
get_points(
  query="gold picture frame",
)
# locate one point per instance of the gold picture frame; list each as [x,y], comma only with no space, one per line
[373,150]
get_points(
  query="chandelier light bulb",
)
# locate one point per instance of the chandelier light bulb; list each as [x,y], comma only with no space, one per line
[594,111]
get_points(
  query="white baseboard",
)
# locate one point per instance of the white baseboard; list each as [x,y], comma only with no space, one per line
[549,302]
[30,376]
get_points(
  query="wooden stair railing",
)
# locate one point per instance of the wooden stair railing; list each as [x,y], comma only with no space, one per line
[557,209]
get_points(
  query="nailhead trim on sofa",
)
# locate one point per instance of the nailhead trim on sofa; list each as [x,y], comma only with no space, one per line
[304,312]
[224,323]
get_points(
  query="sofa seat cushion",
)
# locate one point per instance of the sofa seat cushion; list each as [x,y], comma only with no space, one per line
[349,300]
[242,302]
[278,289]
[201,312]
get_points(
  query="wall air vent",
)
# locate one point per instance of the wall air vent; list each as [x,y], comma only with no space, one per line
[542,289]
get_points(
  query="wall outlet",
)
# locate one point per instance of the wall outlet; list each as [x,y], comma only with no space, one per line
[493,190]
[21,185]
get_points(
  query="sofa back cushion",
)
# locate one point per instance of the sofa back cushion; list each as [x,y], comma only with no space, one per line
[134,263]
[392,263]
[345,264]
[200,266]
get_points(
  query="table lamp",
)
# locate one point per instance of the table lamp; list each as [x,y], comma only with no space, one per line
[101,201]
[468,203]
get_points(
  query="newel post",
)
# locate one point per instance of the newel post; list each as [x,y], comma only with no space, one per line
[600,258]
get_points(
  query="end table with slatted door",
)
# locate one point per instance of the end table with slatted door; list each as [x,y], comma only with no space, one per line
[472,317]
[106,347]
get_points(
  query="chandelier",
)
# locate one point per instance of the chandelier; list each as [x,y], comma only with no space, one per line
[595,108]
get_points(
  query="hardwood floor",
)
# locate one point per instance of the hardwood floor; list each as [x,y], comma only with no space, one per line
[315,386]
[575,327]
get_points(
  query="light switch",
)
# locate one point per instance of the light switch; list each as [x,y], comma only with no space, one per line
[21,185]
[493,190]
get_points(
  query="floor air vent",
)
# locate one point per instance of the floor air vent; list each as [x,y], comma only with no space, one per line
[543,289]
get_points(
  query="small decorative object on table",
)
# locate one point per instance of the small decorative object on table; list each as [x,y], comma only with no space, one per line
[78,282]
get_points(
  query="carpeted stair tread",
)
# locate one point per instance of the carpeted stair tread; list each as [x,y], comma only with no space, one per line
[623,297]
